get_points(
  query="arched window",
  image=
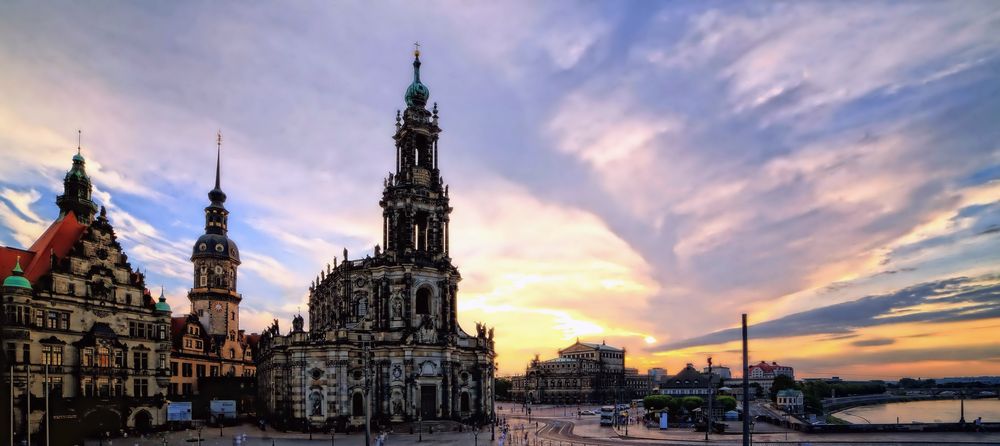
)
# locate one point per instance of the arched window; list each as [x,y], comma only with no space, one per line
[424,301]
[465,402]
[358,405]
[232,353]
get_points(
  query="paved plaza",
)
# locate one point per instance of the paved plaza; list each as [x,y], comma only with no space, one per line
[554,426]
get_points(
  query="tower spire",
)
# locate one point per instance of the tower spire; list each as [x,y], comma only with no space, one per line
[218,157]
[79,140]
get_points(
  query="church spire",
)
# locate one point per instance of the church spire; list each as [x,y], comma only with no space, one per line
[217,196]
[417,93]
[77,190]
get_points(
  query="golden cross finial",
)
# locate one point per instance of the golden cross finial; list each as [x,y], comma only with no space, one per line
[416,49]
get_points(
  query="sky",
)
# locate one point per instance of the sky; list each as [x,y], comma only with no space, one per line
[635,173]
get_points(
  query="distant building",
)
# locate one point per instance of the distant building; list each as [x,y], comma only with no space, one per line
[763,374]
[582,373]
[721,371]
[656,374]
[688,382]
[208,342]
[764,370]
[790,400]
[74,306]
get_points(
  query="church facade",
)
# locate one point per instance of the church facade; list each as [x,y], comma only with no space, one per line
[80,325]
[383,335]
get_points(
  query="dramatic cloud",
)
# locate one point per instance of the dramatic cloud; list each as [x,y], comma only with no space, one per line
[641,173]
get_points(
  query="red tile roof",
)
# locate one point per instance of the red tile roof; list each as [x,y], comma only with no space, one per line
[58,239]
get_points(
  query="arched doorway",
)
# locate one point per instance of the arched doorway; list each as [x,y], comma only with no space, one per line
[464,403]
[358,405]
[101,421]
[143,421]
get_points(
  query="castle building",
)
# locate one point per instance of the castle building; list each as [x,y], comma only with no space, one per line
[208,346]
[79,320]
[582,373]
[383,329]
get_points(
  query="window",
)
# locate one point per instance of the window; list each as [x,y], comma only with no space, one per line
[133,329]
[88,387]
[64,321]
[140,360]
[232,353]
[119,359]
[39,315]
[53,320]
[52,355]
[203,280]
[186,370]
[186,389]
[163,361]
[103,357]
[214,370]
[173,368]
[232,335]
[233,317]
[26,353]
[200,370]
[187,343]
[71,289]
[12,351]
[118,388]
[423,301]
[88,357]
[201,312]
[55,386]
[103,387]
[140,387]
[173,389]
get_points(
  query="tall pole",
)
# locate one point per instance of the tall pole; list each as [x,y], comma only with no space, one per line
[27,387]
[12,402]
[48,418]
[711,392]
[746,387]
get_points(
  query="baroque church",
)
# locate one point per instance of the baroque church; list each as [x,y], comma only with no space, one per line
[383,330]
[83,339]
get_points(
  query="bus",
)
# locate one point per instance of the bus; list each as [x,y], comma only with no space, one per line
[607,415]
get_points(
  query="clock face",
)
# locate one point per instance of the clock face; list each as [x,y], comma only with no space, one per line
[218,306]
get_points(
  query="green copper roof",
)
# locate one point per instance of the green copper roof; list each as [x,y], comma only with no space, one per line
[417,93]
[16,279]
[162,304]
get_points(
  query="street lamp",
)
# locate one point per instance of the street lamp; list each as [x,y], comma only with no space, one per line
[475,434]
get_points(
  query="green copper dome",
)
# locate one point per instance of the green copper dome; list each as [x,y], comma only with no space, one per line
[16,279]
[162,304]
[417,93]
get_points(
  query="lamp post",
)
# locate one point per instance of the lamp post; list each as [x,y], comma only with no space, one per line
[711,396]
[475,434]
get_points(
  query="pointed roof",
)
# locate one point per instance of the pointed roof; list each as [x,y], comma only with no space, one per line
[57,240]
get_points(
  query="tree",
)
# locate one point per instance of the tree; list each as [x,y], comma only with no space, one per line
[656,402]
[781,382]
[503,387]
[726,402]
[692,402]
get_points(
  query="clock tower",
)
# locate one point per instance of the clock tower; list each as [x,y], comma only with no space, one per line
[214,300]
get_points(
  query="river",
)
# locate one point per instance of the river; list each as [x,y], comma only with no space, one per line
[939,411]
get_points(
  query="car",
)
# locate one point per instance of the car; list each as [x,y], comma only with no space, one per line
[587,412]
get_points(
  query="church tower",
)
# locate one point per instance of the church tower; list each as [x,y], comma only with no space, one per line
[215,256]
[76,192]
[415,201]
